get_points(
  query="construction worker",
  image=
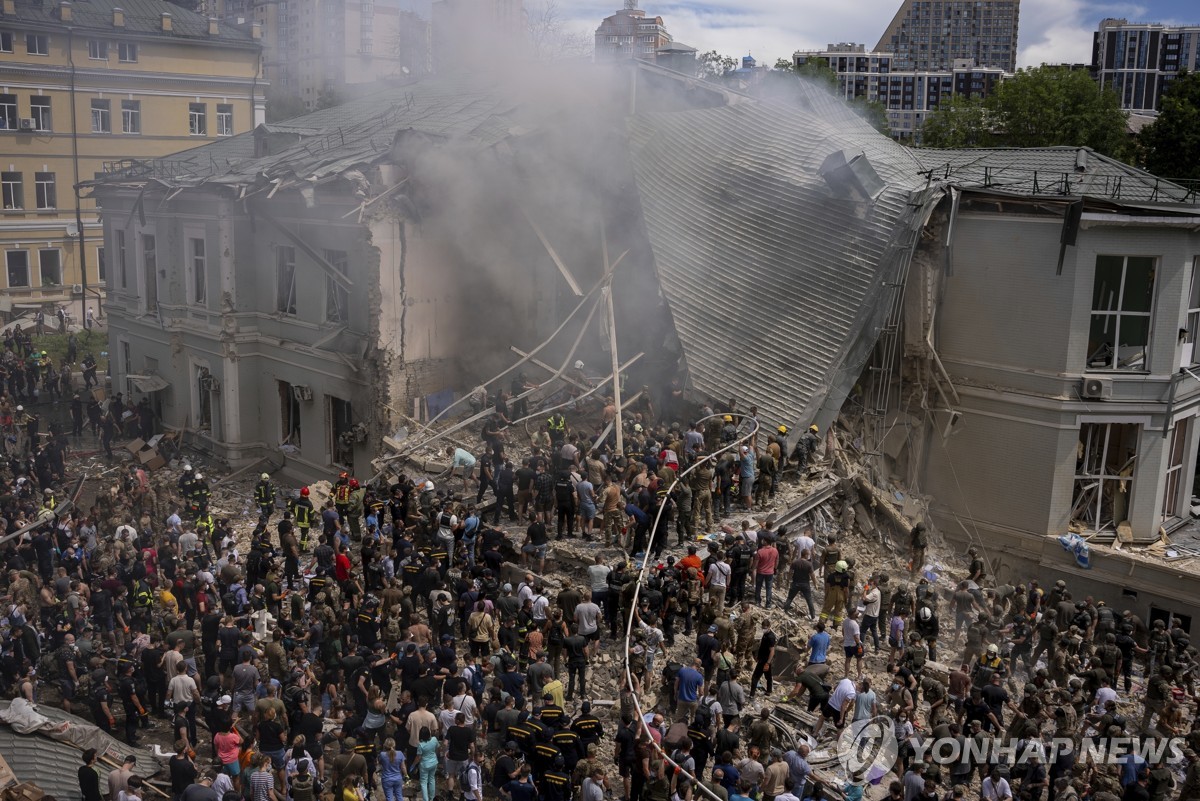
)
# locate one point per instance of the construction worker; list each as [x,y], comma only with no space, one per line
[806,446]
[200,495]
[557,425]
[302,510]
[264,496]
[205,526]
[48,501]
[837,590]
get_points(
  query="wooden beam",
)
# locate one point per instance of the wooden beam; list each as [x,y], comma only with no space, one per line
[562,268]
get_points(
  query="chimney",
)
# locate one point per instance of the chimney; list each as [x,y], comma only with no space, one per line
[256,30]
[213,28]
[166,20]
[118,17]
[64,11]
[10,7]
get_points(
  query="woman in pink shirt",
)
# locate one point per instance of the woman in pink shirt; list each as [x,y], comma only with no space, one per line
[228,745]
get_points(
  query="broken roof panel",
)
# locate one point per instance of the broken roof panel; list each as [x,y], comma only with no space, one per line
[770,275]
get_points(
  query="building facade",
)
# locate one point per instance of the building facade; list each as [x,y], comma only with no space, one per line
[91,83]
[629,33]
[930,35]
[1139,60]
[908,96]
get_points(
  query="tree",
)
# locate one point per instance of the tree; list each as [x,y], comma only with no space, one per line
[874,112]
[714,65]
[282,106]
[818,69]
[329,96]
[961,122]
[551,40]
[1048,106]
[1171,143]
[782,63]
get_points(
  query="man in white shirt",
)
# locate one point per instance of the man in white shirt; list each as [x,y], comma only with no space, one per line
[852,641]
[870,621]
[718,581]
[995,787]
[839,706]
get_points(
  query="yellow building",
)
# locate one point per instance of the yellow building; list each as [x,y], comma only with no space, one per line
[88,84]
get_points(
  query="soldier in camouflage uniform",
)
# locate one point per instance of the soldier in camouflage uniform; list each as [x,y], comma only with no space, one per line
[746,626]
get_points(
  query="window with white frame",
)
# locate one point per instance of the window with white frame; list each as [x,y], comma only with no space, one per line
[8,112]
[13,194]
[224,119]
[98,49]
[37,44]
[6,42]
[44,190]
[50,266]
[127,52]
[198,268]
[1104,468]
[101,266]
[150,270]
[17,262]
[101,116]
[203,388]
[285,277]
[340,425]
[1122,302]
[1174,495]
[39,111]
[198,119]
[131,116]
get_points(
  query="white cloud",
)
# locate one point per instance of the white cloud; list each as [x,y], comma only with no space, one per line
[1052,31]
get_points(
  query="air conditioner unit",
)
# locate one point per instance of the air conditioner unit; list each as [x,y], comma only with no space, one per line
[27,124]
[76,289]
[1095,388]
[301,392]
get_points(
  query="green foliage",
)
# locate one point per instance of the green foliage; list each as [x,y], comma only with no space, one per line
[283,106]
[714,65]
[329,97]
[961,122]
[873,112]
[782,63]
[819,70]
[1171,143]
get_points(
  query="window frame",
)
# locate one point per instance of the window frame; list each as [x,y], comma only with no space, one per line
[101,108]
[101,266]
[126,49]
[131,110]
[12,190]
[122,253]
[1116,313]
[149,248]
[10,115]
[98,46]
[197,119]
[197,271]
[8,267]
[45,191]
[285,266]
[41,113]
[337,298]
[57,253]
[224,119]
[1174,499]
[6,42]
[1094,467]
[43,41]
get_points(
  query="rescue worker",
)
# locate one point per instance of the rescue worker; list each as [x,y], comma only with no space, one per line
[556,424]
[341,495]
[302,511]
[355,508]
[200,495]
[805,447]
[837,590]
[49,502]
[264,496]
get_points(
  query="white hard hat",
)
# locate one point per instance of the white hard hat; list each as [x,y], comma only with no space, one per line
[199,476]
[579,364]
[20,408]
[265,476]
[428,486]
[186,467]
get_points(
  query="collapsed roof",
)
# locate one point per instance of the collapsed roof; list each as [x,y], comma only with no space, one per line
[780,235]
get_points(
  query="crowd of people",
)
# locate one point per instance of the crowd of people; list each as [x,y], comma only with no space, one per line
[376,645]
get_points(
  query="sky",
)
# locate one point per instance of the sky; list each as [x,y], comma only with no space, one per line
[1051,31]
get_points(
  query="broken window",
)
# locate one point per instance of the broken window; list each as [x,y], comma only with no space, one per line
[336,297]
[1122,298]
[1193,317]
[341,433]
[285,263]
[150,270]
[1174,499]
[289,414]
[204,389]
[1104,464]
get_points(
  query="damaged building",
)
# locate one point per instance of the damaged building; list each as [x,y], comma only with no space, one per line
[1005,333]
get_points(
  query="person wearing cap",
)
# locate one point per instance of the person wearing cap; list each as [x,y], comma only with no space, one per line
[745,467]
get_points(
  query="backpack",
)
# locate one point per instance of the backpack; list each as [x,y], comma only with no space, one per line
[47,665]
[704,715]
[229,600]
[744,559]
[464,775]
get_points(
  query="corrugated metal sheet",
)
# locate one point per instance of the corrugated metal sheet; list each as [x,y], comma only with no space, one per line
[770,277]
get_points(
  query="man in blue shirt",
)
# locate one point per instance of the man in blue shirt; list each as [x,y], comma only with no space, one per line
[688,683]
[818,645]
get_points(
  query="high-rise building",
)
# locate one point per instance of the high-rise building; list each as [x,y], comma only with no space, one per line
[315,49]
[909,96]
[629,33]
[930,35]
[1139,60]
[87,85]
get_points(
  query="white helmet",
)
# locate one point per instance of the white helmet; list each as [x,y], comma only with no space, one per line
[925,613]
[199,476]
[187,468]
[20,408]
[579,364]
[428,487]
[265,476]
